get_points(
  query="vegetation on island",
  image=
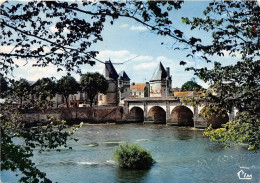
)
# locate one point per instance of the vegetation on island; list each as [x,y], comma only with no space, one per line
[133,156]
[61,33]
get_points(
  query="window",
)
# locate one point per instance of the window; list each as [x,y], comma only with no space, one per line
[81,96]
[100,97]
[140,93]
[134,93]
[130,93]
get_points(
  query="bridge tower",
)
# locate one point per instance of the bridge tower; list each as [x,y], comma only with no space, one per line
[161,82]
[123,86]
[111,97]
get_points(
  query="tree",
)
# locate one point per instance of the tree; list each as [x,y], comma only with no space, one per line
[67,31]
[78,27]
[191,85]
[238,85]
[3,86]
[66,86]
[92,84]
[44,88]
[61,33]
[17,156]
[21,90]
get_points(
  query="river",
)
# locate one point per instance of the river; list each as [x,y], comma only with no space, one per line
[182,154]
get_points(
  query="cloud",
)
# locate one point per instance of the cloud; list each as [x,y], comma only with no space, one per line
[54,29]
[124,25]
[2,1]
[138,28]
[27,71]
[227,55]
[115,56]
[34,73]
[6,49]
[163,59]
[143,58]
[21,62]
[142,66]
[139,69]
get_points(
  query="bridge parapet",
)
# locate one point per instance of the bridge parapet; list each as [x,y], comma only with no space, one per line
[171,108]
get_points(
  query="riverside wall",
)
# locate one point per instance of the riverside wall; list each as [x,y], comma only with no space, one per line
[100,114]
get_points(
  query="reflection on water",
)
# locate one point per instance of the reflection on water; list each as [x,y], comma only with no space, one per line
[130,176]
[112,144]
[181,155]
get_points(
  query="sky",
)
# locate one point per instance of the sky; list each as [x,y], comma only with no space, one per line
[129,40]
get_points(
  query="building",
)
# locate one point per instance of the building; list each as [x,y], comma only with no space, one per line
[78,99]
[123,86]
[177,89]
[187,94]
[118,86]
[161,82]
[139,90]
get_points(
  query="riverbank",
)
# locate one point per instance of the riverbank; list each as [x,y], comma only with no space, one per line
[93,115]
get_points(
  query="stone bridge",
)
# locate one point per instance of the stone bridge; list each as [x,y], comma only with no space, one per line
[170,111]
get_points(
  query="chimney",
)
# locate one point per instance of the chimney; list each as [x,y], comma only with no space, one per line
[147,90]
[168,71]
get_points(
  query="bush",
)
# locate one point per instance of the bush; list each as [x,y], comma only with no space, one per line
[133,156]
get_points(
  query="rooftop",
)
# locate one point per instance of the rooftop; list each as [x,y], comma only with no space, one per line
[110,72]
[138,87]
[187,94]
[160,73]
[123,76]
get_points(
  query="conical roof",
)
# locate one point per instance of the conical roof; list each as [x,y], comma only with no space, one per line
[124,76]
[110,72]
[160,73]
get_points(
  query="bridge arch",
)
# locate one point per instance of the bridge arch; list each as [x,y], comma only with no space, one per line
[156,114]
[136,105]
[182,116]
[216,120]
[136,114]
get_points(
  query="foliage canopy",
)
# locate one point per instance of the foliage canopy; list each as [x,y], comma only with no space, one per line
[67,85]
[3,86]
[133,156]
[61,33]
[92,84]
[17,156]
[20,90]
[238,85]
[190,86]
[44,88]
